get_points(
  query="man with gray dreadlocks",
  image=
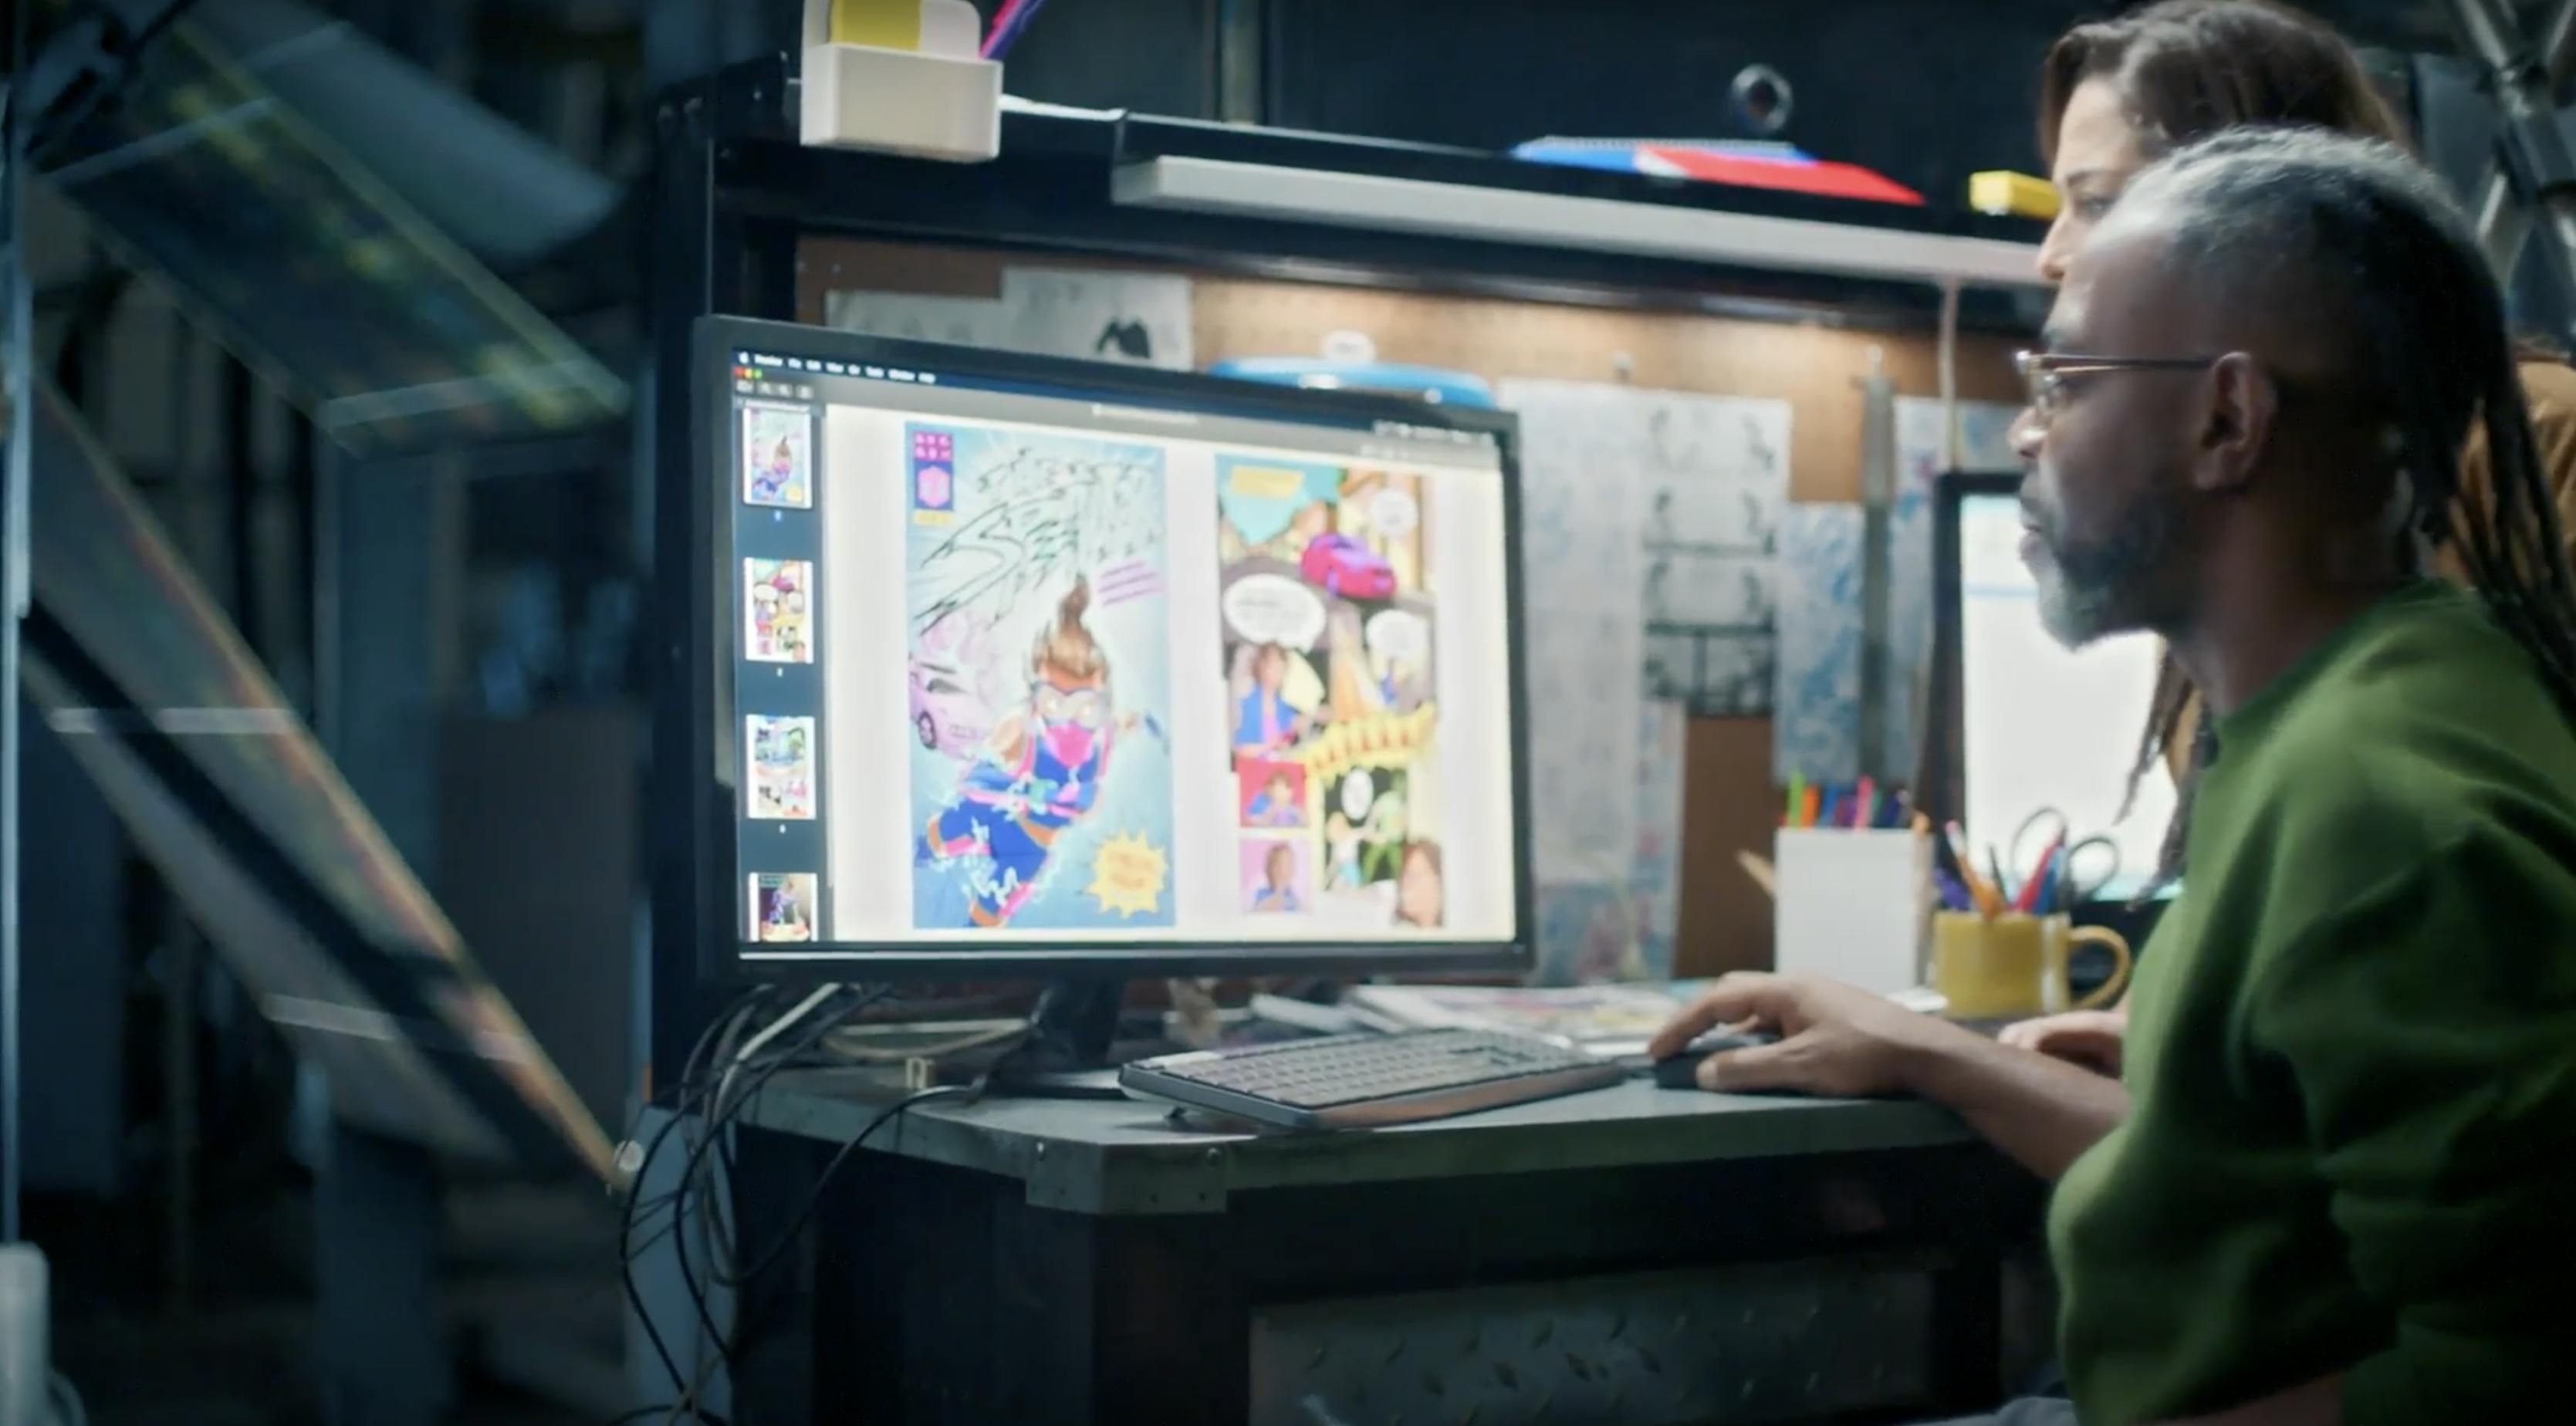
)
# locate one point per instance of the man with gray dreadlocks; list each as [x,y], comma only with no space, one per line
[2332,1185]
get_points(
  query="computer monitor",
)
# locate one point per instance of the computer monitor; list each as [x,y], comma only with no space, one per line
[1025,665]
[2038,725]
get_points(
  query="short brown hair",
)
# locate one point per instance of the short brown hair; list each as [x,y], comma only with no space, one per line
[2186,69]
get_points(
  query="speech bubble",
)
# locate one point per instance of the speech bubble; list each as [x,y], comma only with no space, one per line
[1128,876]
[1393,512]
[1359,793]
[1400,634]
[1274,609]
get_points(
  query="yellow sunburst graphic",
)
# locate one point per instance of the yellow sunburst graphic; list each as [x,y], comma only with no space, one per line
[1128,875]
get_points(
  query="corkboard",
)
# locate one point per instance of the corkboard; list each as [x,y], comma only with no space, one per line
[1730,806]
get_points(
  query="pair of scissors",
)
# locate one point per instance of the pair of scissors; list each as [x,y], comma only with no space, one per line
[2048,829]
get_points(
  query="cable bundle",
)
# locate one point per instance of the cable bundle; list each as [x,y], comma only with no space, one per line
[727,1069]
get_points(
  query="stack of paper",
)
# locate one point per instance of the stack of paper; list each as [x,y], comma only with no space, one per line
[1610,1021]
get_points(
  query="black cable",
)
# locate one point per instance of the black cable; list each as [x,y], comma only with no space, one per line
[690,1181]
[626,1262]
[626,1215]
[689,1097]
[712,1138]
[704,1096]
[699,1083]
[814,1198]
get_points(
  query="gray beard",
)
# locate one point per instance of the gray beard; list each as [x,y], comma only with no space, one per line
[2109,588]
[2074,616]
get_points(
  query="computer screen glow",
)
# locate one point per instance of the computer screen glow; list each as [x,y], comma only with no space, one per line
[2045,727]
[1020,667]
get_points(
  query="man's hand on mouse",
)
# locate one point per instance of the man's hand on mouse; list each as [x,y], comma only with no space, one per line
[1834,1039]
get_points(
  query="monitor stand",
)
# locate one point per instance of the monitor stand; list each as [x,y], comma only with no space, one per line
[1067,1053]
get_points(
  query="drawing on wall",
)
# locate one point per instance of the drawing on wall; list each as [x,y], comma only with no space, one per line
[1582,574]
[1142,319]
[1594,931]
[1714,477]
[1816,728]
[1815,723]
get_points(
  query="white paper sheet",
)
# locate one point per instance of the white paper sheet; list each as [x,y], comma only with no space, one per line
[1142,319]
[1583,622]
[1663,750]
[1715,476]
[960,321]
[1139,318]
[1922,454]
[1816,724]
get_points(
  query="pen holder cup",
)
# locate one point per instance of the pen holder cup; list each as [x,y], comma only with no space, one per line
[1852,905]
[919,105]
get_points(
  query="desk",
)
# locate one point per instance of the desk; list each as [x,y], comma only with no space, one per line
[1633,1254]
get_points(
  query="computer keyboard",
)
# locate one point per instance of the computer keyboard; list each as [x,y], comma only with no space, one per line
[1362,1081]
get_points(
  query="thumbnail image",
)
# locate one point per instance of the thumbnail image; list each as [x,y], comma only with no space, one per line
[778,611]
[1270,794]
[782,767]
[777,456]
[1275,876]
[782,906]
[1035,593]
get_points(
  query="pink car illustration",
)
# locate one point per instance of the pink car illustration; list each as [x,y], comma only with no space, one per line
[1343,566]
[947,715]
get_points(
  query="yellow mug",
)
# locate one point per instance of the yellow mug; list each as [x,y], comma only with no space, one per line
[2004,967]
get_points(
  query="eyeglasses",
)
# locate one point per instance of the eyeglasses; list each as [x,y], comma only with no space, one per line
[2045,373]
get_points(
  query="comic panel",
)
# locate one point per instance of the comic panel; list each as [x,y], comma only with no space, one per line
[1327,616]
[1418,885]
[781,783]
[1365,827]
[1039,617]
[1270,795]
[778,611]
[1276,876]
[777,456]
[783,906]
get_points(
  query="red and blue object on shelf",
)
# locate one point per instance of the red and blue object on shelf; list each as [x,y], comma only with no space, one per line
[1746,165]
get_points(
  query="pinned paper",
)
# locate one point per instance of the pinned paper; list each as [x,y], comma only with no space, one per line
[1816,720]
[1139,319]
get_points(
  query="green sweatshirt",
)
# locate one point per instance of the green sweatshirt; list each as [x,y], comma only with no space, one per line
[2351,1143]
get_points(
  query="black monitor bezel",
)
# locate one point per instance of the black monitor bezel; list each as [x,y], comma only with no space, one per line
[699,656]
[1949,644]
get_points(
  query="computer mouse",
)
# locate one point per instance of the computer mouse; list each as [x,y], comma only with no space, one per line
[1681,1071]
